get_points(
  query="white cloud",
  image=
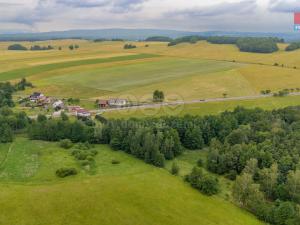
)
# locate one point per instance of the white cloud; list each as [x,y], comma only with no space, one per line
[239,15]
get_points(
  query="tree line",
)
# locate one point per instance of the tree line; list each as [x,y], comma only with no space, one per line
[245,44]
[7,89]
[293,46]
[19,47]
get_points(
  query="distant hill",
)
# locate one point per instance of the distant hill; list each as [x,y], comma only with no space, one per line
[133,34]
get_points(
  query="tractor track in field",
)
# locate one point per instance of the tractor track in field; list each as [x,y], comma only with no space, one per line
[6,156]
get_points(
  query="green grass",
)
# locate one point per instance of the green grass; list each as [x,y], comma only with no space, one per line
[130,193]
[25,72]
[129,78]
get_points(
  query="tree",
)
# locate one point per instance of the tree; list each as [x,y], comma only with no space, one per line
[193,139]
[246,193]
[158,96]
[6,133]
[268,178]
[251,167]
[71,47]
[293,185]
[283,213]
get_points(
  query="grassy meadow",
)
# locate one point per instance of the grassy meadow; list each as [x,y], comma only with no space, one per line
[128,193]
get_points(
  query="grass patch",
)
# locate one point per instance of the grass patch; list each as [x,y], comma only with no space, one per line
[19,73]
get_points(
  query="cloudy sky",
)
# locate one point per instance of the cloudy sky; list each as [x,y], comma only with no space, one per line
[194,15]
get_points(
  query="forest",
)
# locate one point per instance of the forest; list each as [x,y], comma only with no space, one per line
[245,44]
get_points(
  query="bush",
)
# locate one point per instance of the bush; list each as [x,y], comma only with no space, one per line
[115,162]
[129,46]
[200,163]
[64,172]
[205,183]
[66,144]
[175,169]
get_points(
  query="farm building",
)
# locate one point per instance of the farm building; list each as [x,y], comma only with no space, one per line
[116,102]
[73,109]
[102,103]
[36,96]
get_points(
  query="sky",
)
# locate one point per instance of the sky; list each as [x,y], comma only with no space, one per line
[189,15]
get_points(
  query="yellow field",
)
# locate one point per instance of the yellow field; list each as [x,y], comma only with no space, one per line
[185,71]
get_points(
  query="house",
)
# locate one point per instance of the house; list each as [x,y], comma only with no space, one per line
[116,102]
[73,109]
[59,104]
[102,103]
[36,96]
[43,101]
[83,113]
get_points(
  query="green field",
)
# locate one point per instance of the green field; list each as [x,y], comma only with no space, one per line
[129,193]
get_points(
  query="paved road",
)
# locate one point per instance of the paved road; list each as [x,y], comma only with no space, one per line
[158,105]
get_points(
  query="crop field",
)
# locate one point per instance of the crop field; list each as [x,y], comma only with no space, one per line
[105,69]
[114,194]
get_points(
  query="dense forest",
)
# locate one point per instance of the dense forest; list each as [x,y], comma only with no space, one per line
[159,39]
[250,44]
[293,46]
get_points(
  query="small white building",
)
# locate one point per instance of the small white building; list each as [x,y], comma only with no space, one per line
[116,102]
[59,104]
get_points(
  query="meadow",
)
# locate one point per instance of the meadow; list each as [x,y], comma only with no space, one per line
[115,194]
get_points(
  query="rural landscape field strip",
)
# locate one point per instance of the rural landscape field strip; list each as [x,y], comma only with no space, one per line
[20,73]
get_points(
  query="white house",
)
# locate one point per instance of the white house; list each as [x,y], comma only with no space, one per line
[59,104]
[116,102]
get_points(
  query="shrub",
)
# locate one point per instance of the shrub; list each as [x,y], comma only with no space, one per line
[64,172]
[114,161]
[129,46]
[205,183]
[175,169]
[66,144]
[200,163]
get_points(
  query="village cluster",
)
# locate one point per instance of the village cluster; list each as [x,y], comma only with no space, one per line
[38,99]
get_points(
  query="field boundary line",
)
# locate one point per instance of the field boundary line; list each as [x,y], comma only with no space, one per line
[6,157]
